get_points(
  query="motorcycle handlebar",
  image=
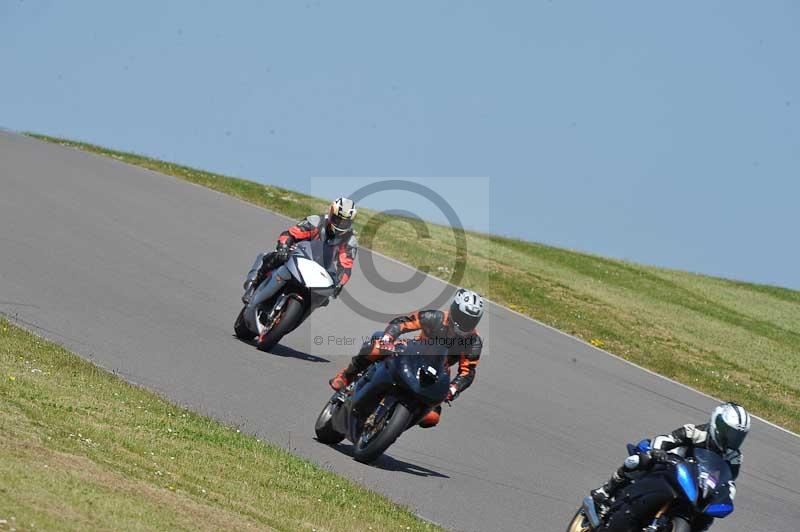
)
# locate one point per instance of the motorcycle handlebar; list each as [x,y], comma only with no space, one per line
[395,348]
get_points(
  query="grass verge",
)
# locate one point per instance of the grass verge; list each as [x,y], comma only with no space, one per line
[82,449]
[734,340]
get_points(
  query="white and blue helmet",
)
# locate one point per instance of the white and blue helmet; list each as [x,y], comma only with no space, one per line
[728,427]
[466,311]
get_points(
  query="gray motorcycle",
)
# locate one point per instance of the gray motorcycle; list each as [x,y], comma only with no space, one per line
[286,296]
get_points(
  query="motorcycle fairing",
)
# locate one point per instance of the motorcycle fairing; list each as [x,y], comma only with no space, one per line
[321,254]
[590,511]
[642,447]
[310,273]
[371,388]
[636,504]
[714,475]
[266,290]
[686,480]
[719,510]
[406,369]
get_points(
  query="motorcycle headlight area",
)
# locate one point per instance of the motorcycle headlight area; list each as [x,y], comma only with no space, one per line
[427,374]
[708,483]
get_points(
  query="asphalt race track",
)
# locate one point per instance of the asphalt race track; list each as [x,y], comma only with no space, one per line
[141,273]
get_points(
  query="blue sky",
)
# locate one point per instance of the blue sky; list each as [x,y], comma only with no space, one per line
[665,133]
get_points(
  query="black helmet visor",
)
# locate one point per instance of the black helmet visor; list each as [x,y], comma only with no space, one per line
[341,224]
[728,437]
[463,322]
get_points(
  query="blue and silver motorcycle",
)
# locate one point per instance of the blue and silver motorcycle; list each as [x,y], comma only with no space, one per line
[666,498]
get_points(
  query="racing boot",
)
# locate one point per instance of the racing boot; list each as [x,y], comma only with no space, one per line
[340,381]
[602,496]
[358,363]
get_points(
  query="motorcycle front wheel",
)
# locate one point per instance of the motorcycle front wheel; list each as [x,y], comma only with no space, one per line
[579,523]
[372,443]
[680,525]
[287,321]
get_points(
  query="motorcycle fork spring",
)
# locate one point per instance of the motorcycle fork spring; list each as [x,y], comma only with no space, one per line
[660,521]
[376,415]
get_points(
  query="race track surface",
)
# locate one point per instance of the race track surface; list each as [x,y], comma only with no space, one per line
[141,273]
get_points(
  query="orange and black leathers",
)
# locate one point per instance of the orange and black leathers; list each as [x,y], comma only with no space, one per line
[341,246]
[433,325]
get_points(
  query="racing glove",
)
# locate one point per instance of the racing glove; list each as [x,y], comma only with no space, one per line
[452,393]
[645,460]
[652,457]
[282,252]
[386,342]
[658,455]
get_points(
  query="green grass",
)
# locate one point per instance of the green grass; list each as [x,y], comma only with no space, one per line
[734,340]
[81,449]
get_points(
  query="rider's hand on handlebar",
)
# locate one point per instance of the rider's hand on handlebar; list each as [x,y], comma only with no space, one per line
[282,251]
[452,393]
[658,456]
[386,343]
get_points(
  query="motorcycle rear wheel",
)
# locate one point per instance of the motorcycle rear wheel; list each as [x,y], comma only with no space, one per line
[287,321]
[393,426]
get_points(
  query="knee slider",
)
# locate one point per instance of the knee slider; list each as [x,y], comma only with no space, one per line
[431,419]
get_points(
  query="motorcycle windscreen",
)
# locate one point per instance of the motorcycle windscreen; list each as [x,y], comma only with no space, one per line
[714,474]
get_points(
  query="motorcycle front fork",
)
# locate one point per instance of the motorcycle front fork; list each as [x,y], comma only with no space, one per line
[660,521]
[263,292]
[377,415]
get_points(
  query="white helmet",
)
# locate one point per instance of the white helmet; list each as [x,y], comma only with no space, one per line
[728,427]
[465,311]
[341,214]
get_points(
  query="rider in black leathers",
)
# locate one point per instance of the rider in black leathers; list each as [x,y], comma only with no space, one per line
[724,435]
